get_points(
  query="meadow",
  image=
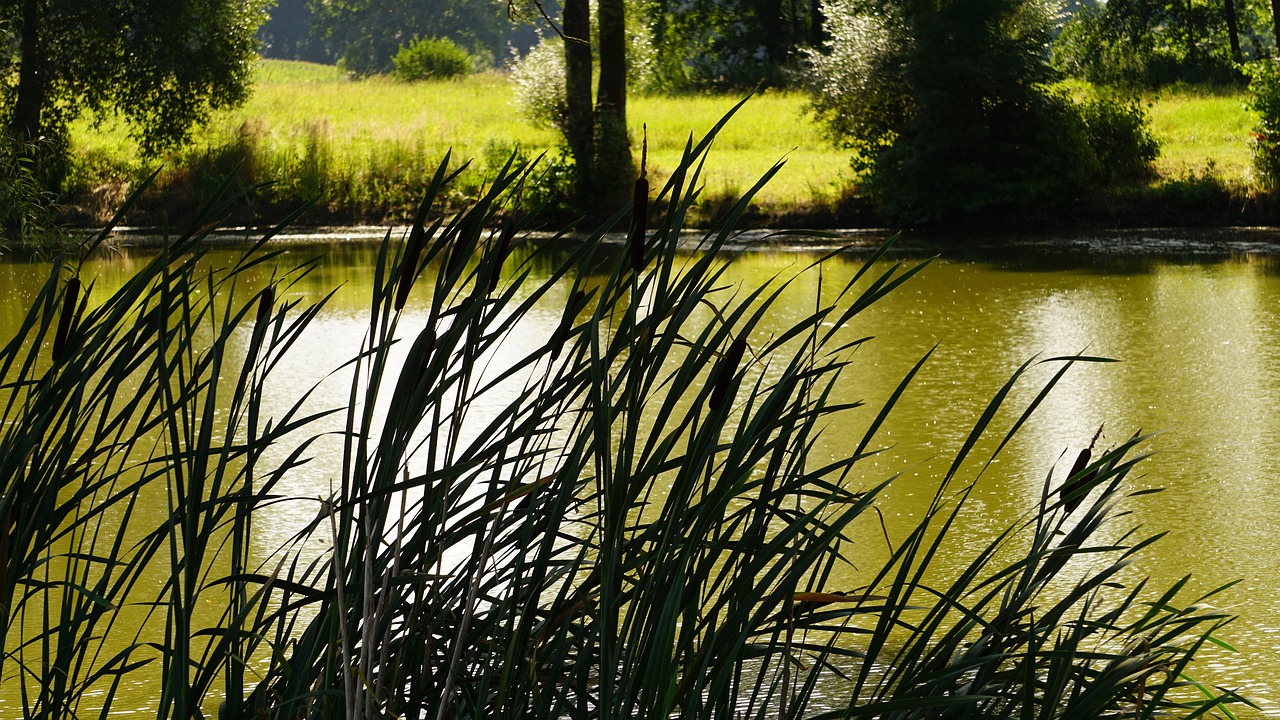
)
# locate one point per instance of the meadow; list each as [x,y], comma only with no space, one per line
[366,146]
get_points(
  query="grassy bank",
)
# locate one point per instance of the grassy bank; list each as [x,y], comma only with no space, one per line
[366,147]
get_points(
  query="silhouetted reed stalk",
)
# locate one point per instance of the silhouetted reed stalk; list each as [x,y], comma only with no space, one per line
[639,532]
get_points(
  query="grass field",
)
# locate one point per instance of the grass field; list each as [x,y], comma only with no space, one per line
[366,146]
[1203,130]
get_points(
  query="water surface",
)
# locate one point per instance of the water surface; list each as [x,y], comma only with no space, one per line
[1195,326]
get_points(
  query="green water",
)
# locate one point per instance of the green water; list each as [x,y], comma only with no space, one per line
[1198,340]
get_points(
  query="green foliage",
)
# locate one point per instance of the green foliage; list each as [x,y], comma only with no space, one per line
[431,59]
[1118,135]
[287,33]
[1150,43]
[858,88]
[741,44]
[547,190]
[537,81]
[946,109]
[164,66]
[366,34]
[27,210]
[1264,99]
[1197,194]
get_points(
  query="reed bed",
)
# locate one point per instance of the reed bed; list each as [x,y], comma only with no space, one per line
[639,531]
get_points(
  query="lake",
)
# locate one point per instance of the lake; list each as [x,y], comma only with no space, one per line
[1194,323]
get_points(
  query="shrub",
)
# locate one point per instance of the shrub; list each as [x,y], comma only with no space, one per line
[946,110]
[1264,99]
[27,210]
[1119,136]
[548,189]
[431,59]
[537,80]
[856,91]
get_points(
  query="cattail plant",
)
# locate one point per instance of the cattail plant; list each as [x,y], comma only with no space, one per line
[640,208]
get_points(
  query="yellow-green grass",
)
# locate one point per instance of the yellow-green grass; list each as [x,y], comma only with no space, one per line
[1203,130]
[305,119]
[367,146]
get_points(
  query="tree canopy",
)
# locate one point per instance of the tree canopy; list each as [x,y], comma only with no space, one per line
[731,43]
[287,33]
[1158,42]
[163,65]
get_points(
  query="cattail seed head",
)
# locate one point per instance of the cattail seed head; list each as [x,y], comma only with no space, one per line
[639,223]
[69,304]
[725,371]
[265,301]
[1077,481]
[640,207]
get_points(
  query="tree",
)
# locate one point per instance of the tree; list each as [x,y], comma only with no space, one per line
[163,65]
[363,35]
[597,133]
[1233,30]
[944,104]
[1275,19]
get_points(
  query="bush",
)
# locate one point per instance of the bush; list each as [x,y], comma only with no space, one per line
[1119,137]
[537,81]
[856,91]
[1264,99]
[1026,158]
[431,59]
[547,190]
[27,210]
[945,109]
[1087,49]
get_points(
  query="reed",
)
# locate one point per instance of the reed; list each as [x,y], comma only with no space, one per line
[639,531]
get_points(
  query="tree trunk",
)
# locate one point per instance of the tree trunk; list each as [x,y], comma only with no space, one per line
[33,87]
[579,127]
[1275,19]
[613,147]
[1233,30]
[612,91]
[815,23]
[769,14]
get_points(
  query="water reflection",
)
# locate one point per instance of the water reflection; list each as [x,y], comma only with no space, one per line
[1197,339]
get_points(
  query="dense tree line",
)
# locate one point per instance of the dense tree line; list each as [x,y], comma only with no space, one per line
[1157,42]
[731,43]
[364,35]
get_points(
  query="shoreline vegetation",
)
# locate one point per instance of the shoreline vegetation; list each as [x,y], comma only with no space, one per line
[363,149]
